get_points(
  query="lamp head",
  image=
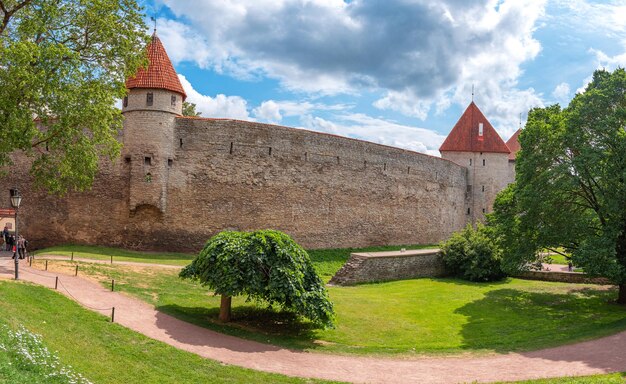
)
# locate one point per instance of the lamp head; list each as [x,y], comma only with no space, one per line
[16,198]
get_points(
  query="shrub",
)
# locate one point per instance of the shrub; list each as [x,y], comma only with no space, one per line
[472,254]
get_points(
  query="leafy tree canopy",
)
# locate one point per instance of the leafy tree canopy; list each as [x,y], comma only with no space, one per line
[263,265]
[570,191]
[189,109]
[63,66]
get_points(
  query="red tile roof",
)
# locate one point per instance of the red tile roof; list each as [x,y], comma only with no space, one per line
[160,73]
[464,137]
[513,144]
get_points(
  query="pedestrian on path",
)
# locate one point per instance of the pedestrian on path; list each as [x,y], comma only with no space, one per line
[5,236]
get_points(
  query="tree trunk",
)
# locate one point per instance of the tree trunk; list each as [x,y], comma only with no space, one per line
[225,309]
[621,297]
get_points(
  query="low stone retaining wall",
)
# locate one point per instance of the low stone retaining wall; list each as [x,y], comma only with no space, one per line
[563,277]
[383,266]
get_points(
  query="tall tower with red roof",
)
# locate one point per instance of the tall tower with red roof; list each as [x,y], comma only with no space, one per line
[475,144]
[155,98]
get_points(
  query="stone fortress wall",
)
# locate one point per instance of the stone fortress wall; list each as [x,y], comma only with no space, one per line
[324,190]
[180,180]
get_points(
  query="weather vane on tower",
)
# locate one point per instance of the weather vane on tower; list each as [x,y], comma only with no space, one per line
[155,22]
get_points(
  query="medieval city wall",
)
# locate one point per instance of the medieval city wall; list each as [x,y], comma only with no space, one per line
[324,190]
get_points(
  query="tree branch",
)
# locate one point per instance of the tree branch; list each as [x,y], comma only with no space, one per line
[9,13]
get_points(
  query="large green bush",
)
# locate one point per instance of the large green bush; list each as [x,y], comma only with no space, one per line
[472,254]
[263,265]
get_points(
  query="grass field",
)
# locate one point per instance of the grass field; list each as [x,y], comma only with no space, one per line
[105,253]
[109,353]
[422,316]
[326,261]
[102,351]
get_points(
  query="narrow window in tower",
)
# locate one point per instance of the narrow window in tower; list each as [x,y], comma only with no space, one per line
[483,210]
[147,160]
[483,188]
[127,159]
[468,211]
[149,98]
[470,162]
[125,101]
[170,162]
[483,162]
[173,100]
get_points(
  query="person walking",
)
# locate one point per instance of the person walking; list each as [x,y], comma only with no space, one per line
[21,247]
[5,236]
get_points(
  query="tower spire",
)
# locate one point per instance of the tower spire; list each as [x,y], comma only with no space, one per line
[155,22]
[472,93]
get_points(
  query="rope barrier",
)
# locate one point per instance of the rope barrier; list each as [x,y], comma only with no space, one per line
[80,302]
[35,273]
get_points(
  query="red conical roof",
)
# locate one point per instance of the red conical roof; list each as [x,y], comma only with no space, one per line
[514,145]
[159,74]
[465,137]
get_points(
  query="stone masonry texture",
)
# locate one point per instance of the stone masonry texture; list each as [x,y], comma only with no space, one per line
[386,266]
[209,175]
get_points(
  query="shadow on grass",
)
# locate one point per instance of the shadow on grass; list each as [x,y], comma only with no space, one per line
[263,325]
[506,319]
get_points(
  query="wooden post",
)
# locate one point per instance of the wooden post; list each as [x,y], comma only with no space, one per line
[56,283]
[225,309]
[46,265]
[113,315]
[72,259]
[111,259]
[112,285]
[76,273]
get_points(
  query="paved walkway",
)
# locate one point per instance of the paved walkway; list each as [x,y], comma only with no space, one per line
[593,357]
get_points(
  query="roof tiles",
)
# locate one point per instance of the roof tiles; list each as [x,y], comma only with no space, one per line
[465,136]
[159,74]
[514,144]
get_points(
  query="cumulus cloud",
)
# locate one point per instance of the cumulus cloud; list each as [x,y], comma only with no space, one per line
[417,53]
[274,111]
[219,106]
[360,126]
[561,93]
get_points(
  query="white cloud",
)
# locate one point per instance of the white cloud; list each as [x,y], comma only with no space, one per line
[219,106]
[561,93]
[274,111]
[416,53]
[268,111]
[360,126]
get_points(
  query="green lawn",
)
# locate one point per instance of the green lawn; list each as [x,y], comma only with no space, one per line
[105,253]
[105,352]
[109,353]
[326,261]
[559,259]
[421,316]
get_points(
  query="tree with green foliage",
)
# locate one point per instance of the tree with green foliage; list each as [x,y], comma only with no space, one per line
[189,109]
[262,265]
[64,66]
[472,254]
[570,191]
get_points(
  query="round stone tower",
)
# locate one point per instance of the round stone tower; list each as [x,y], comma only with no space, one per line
[155,98]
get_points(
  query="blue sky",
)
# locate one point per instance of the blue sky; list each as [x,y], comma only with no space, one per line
[396,72]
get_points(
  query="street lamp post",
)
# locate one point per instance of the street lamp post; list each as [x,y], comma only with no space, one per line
[16,199]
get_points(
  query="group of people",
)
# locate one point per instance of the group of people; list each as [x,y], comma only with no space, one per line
[11,243]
